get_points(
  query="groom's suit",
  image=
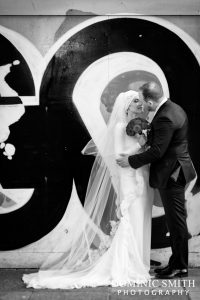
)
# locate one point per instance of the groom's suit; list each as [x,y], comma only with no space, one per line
[170,170]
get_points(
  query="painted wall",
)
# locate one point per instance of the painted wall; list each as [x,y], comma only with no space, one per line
[45,56]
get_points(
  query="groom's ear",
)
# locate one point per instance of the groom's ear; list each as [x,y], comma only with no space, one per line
[149,102]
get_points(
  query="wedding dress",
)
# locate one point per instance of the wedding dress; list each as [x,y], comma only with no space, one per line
[103,249]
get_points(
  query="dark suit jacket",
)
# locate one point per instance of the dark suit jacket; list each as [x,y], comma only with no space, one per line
[168,146]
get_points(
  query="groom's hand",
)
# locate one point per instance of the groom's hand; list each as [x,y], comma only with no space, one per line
[123,161]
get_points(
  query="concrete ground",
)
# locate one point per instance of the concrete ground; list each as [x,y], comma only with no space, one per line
[12,288]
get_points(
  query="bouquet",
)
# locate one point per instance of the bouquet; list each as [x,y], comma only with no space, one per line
[9,150]
[137,126]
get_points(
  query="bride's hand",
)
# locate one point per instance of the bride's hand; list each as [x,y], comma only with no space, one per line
[118,212]
[141,139]
[120,155]
[122,161]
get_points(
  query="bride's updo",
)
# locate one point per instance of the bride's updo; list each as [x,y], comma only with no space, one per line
[122,103]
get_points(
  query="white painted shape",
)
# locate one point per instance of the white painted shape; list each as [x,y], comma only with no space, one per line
[19,196]
[5,89]
[47,243]
[157,211]
[30,100]
[11,113]
[92,82]
[193,209]
[30,53]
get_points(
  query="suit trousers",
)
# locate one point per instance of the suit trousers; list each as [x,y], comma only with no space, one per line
[173,199]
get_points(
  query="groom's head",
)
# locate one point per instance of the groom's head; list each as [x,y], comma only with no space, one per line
[152,93]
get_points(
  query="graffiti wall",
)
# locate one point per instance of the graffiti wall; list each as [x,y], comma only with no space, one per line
[53,102]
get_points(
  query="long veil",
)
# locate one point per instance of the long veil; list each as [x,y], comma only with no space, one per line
[90,228]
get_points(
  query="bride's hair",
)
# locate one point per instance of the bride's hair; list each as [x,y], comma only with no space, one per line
[122,103]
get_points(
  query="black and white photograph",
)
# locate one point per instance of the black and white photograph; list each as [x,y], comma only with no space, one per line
[99,149]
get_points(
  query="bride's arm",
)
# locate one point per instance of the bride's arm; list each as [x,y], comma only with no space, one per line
[119,146]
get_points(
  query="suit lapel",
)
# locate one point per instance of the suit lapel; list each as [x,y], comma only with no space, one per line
[150,133]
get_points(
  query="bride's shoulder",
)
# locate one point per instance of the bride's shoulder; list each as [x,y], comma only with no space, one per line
[120,126]
[120,129]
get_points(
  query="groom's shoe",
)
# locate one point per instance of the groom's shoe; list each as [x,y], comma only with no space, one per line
[170,273]
[158,270]
[155,263]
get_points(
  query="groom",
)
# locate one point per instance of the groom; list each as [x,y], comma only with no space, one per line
[170,170]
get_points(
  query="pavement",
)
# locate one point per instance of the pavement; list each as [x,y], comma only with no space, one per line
[12,288]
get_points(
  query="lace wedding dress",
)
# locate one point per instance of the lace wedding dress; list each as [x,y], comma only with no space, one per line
[110,250]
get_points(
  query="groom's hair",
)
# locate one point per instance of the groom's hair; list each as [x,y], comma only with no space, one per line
[152,90]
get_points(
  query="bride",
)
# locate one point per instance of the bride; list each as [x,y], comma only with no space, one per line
[108,241]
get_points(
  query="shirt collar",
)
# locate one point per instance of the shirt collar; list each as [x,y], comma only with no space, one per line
[160,104]
[152,114]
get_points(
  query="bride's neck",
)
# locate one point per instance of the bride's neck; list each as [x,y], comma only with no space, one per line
[143,115]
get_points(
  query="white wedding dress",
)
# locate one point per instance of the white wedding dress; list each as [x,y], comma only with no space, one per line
[125,258]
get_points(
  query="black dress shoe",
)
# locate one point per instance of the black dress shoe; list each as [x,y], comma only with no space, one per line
[155,263]
[169,273]
[158,270]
